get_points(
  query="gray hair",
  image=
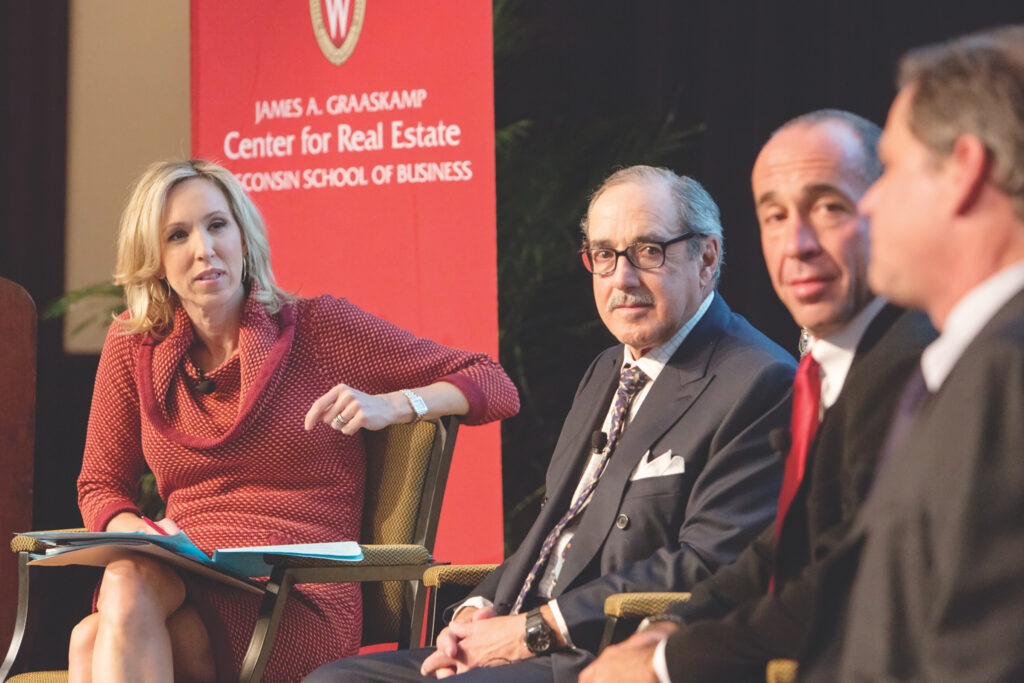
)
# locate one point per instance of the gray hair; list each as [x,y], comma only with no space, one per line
[867,133]
[972,84]
[696,211]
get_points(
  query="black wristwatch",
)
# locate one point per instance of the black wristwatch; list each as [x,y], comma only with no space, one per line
[539,639]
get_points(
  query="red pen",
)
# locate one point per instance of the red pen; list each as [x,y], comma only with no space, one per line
[154,525]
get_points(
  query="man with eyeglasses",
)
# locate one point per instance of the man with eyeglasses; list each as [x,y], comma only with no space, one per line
[663,470]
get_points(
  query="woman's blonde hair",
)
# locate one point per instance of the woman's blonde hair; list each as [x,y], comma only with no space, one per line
[150,300]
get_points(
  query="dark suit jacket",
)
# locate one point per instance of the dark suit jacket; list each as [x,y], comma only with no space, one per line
[714,404]
[734,625]
[936,556]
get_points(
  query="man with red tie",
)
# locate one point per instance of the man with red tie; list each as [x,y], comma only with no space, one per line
[806,181]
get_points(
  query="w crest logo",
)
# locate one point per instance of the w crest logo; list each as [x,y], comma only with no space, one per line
[337,25]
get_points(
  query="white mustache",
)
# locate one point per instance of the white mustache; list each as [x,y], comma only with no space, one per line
[620,298]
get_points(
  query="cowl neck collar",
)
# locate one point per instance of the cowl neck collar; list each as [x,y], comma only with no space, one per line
[263,345]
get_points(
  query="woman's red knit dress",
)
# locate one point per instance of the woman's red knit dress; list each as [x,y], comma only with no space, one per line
[237,468]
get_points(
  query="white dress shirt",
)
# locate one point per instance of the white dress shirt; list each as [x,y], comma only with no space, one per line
[965,321]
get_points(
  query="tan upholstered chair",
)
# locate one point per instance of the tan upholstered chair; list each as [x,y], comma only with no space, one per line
[781,671]
[640,605]
[407,470]
[447,584]
[634,606]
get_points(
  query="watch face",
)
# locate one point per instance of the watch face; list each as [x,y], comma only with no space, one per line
[539,640]
[538,634]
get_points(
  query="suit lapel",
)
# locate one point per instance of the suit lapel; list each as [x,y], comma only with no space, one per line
[571,458]
[672,395]
[567,463]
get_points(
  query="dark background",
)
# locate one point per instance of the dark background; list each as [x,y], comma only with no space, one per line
[581,87]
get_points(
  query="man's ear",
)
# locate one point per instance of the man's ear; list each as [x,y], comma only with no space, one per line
[968,169]
[710,255]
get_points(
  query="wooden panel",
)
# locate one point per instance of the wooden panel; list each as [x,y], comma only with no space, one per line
[17,432]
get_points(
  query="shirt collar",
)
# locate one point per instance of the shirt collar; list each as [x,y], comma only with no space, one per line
[835,353]
[653,362]
[965,321]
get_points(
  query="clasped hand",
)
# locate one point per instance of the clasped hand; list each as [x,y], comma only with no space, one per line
[477,638]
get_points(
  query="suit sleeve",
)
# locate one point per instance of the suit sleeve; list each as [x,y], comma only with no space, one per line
[975,593]
[735,625]
[733,499]
[730,586]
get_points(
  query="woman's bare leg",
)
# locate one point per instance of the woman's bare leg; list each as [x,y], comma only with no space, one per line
[83,640]
[191,649]
[131,638]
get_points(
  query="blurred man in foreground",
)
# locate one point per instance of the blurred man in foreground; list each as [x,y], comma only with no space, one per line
[936,557]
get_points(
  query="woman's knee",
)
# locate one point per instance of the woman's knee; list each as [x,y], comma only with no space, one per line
[83,637]
[132,584]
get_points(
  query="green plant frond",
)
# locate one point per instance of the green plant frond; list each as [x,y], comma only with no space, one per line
[509,138]
[98,290]
[510,31]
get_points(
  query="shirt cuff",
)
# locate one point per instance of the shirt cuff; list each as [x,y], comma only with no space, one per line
[563,628]
[660,663]
[475,601]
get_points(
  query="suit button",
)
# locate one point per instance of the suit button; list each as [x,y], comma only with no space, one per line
[622,521]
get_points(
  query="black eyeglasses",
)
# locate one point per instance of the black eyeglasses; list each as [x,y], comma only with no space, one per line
[641,255]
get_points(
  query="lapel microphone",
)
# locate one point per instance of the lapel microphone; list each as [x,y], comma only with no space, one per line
[205,385]
[598,440]
[780,441]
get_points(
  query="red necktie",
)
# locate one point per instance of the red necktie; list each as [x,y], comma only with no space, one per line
[802,426]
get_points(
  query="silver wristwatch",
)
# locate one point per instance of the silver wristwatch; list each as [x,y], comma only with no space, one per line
[418,405]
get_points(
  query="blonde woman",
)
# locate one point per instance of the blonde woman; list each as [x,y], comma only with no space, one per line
[247,405]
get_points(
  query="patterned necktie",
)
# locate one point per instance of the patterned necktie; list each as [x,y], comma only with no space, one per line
[631,381]
[803,425]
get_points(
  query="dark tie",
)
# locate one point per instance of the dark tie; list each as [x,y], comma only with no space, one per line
[914,393]
[631,381]
[803,425]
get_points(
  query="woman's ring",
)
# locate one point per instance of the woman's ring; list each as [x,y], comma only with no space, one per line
[338,422]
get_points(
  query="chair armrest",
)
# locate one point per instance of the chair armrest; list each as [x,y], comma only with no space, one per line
[640,605]
[43,624]
[446,575]
[31,545]
[449,584]
[373,556]
[633,606]
[781,671]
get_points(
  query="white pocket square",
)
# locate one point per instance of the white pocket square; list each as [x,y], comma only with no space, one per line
[660,466]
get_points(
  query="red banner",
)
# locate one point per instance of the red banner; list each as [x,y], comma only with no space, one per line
[364,131]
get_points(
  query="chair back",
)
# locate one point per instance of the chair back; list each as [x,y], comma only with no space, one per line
[17,432]
[406,473]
